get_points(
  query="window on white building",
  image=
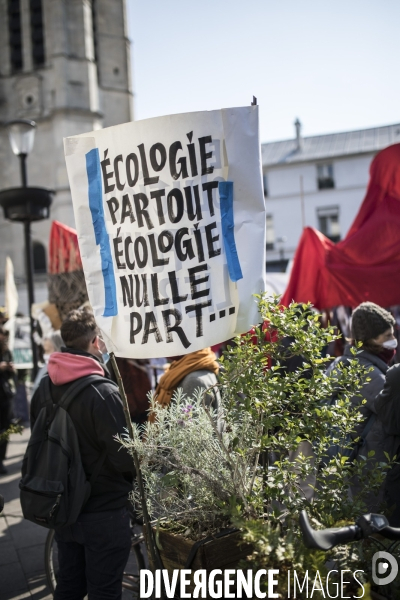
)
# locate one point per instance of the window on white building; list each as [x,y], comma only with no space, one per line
[270,232]
[328,222]
[325,176]
[265,185]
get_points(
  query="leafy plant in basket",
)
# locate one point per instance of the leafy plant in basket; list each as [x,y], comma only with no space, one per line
[257,463]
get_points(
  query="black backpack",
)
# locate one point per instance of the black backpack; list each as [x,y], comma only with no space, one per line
[54,487]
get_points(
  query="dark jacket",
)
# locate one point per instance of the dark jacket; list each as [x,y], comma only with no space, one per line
[7,388]
[388,411]
[371,388]
[98,416]
[369,392]
[137,386]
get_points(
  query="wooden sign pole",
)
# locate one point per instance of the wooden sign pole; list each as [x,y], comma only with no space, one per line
[149,537]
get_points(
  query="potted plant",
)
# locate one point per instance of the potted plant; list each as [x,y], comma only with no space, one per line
[260,460]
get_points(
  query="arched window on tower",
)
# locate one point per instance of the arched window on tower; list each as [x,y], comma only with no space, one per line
[39,258]
[37,34]
[15,35]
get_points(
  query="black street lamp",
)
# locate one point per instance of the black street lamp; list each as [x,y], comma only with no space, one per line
[26,204]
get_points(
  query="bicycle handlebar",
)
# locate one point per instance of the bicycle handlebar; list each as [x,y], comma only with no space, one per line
[325,539]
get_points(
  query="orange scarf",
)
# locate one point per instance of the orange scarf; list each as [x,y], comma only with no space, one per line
[195,361]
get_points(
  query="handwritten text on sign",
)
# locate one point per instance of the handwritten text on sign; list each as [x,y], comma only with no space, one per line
[163,233]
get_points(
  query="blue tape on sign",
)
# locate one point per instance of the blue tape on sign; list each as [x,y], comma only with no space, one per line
[225,189]
[100,231]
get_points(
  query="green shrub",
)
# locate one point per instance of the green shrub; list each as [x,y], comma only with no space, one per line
[200,476]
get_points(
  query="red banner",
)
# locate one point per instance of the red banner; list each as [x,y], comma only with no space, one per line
[64,255]
[365,265]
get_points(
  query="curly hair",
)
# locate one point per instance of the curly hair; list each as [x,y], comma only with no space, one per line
[79,329]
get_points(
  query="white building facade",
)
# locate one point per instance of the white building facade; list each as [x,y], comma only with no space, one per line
[317,181]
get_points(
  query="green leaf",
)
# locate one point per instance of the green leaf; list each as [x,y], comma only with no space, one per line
[170,479]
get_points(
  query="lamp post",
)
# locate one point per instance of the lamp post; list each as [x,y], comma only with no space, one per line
[21,134]
[25,204]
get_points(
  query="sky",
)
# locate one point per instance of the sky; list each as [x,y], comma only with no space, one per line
[334,65]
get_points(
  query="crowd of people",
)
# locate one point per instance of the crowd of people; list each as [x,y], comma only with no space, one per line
[93,550]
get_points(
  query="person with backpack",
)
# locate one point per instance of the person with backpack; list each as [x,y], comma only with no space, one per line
[371,325]
[76,476]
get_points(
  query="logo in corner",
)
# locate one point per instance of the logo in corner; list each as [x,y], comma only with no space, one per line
[384,568]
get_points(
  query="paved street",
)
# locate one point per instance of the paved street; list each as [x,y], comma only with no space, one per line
[21,542]
[22,573]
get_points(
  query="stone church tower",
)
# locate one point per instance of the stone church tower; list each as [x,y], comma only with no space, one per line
[66,65]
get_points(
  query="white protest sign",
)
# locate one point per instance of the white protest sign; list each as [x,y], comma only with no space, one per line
[170,217]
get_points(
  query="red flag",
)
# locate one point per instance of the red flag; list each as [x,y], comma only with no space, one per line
[63,249]
[365,265]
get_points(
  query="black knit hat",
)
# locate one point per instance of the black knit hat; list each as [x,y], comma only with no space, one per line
[369,320]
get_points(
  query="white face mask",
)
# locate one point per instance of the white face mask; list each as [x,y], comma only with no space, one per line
[390,344]
[46,358]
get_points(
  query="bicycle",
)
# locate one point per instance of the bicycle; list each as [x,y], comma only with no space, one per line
[135,563]
[369,526]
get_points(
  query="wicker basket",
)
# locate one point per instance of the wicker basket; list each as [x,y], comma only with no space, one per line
[224,551]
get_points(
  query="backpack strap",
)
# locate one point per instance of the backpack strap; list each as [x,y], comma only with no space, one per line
[46,401]
[77,387]
[44,392]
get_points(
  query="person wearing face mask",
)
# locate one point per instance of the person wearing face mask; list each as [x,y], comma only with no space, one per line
[373,327]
